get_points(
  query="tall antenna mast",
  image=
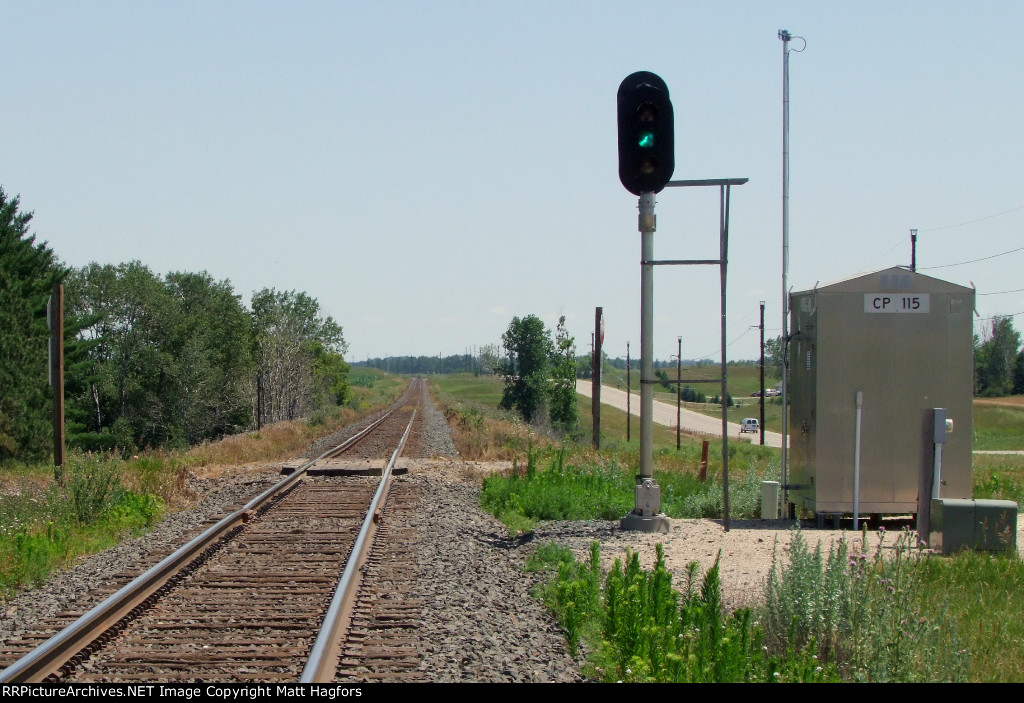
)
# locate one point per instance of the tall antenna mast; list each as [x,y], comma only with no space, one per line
[786,37]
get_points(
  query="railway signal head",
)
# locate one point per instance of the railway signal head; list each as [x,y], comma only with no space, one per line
[646,133]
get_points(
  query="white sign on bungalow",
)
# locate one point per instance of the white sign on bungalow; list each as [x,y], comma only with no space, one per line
[896,302]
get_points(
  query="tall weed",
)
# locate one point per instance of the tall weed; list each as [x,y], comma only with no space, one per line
[654,633]
[93,486]
[863,612]
[639,629]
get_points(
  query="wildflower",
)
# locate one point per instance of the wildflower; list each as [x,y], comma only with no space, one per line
[881,528]
[817,669]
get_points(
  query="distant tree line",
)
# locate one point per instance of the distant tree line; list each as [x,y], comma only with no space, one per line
[152,361]
[454,363]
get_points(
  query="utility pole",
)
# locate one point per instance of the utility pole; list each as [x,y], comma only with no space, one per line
[762,371]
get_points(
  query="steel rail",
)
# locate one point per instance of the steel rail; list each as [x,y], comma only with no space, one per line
[48,658]
[322,663]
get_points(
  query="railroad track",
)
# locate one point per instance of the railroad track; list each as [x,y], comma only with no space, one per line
[273,592]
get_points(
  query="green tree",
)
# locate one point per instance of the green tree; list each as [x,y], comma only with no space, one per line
[331,373]
[290,334]
[563,410]
[131,336]
[528,350]
[774,353]
[213,358]
[1018,374]
[28,273]
[995,358]
[166,361]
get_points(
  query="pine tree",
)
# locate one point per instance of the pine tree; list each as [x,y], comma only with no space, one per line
[28,274]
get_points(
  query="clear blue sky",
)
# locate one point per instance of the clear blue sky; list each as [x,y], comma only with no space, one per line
[427,170]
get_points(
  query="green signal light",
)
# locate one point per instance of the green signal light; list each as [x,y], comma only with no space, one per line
[646,140]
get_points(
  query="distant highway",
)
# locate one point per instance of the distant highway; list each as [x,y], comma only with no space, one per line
[665,414]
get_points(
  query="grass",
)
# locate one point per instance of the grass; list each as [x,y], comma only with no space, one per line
[867,613]
[480,430]
[985,593]
[91,510]
[45,526]
[743,379]
[576,483]
[483,390]
[553,479]
[998,426]
[999,477]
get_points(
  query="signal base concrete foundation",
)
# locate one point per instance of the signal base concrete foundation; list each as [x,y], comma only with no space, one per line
[646,523]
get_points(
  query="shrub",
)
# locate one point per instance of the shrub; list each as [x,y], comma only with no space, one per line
[862,612]
[93,486]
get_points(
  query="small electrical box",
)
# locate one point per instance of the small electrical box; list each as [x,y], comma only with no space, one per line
[648,497]
[987,525]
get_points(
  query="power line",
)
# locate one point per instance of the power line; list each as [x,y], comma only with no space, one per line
[972,261]
[708,356]
[1000,292]
[980,219]
[938,229]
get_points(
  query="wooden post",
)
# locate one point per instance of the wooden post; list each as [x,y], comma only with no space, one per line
[704,461]
[595,378]
[57,377]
